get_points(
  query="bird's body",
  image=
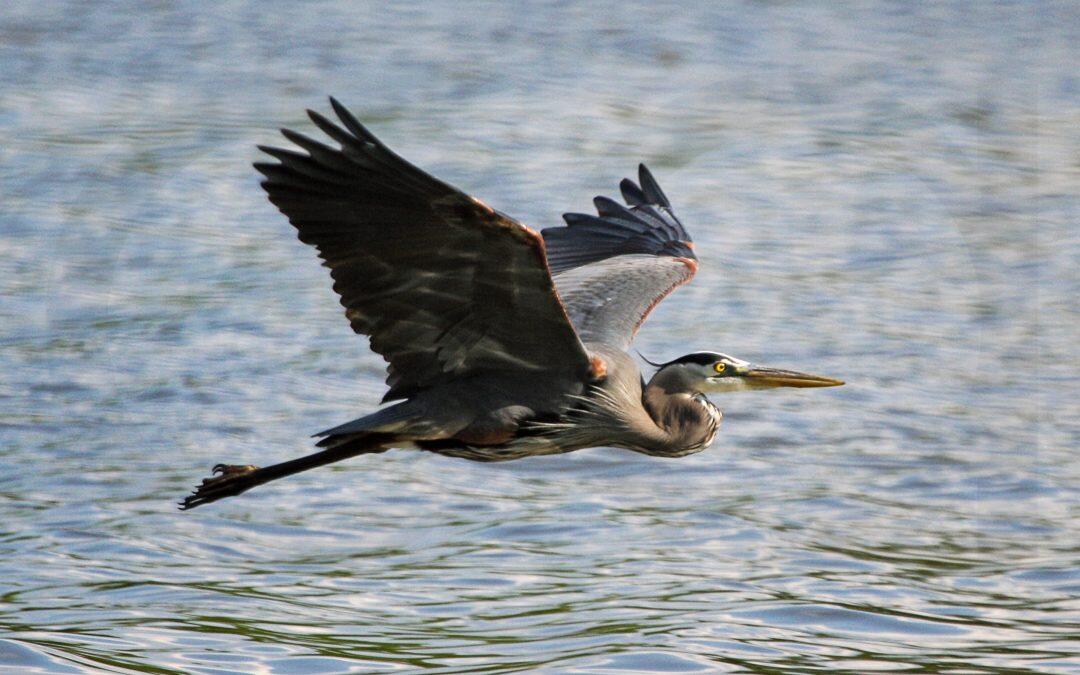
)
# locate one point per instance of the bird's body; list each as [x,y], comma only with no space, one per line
[616,406]
[502,343]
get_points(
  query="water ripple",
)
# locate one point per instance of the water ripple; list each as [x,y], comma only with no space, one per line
[882,192]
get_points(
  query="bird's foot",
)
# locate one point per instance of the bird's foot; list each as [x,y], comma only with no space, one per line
[228,480]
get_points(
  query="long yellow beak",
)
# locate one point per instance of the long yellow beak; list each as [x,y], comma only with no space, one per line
[774,377]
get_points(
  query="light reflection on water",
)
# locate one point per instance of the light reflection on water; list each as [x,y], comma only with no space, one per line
[886,195]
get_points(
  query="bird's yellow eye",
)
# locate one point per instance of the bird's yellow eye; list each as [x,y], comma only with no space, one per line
[720,367]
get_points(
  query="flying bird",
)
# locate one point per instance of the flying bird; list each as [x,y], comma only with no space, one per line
[501,342]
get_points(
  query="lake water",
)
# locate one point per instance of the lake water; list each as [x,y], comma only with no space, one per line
[885,193]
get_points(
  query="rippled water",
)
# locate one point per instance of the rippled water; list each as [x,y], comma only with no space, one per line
[885,194]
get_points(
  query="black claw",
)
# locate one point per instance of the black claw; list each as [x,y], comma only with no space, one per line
[227,480]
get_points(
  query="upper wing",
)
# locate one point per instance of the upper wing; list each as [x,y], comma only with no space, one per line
[608,300]
[613,268]
[445,286]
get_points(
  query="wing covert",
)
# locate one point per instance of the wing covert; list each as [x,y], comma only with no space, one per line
[444,285]
[609,300]
[613,268]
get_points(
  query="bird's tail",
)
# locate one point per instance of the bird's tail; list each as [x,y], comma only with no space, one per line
[396,418]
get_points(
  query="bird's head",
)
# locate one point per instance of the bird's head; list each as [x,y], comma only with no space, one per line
[705,372]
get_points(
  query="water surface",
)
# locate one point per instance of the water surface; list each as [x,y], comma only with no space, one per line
[884,194]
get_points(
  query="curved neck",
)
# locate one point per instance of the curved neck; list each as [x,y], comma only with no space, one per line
[686,418]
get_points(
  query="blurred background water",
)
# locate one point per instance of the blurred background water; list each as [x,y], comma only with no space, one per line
[884,192]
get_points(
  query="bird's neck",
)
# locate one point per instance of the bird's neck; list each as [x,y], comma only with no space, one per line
[686,421]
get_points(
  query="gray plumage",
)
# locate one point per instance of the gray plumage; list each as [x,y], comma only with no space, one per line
[501,343]
[608,300]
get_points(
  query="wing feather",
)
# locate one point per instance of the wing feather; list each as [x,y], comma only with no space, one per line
[613,268]
[610,299]
[445,286]
[647,226]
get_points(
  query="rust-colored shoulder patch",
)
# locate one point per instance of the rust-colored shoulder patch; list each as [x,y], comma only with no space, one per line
[534,235]
[532,238]
[597,368]
[692,264]
[482,205]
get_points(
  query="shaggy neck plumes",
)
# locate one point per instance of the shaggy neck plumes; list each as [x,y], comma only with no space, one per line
[687,419]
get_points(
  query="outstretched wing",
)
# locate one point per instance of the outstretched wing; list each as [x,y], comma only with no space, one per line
[445,286]
[613,268]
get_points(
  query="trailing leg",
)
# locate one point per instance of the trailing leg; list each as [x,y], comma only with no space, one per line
[230,480]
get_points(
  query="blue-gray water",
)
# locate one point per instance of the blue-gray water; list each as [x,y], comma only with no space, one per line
[884,193]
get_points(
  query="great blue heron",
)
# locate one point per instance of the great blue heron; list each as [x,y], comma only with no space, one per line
[502,342]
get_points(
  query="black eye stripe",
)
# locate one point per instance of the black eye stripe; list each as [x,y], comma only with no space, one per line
[698,358]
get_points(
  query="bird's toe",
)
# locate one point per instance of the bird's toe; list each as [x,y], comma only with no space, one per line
[226,481]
